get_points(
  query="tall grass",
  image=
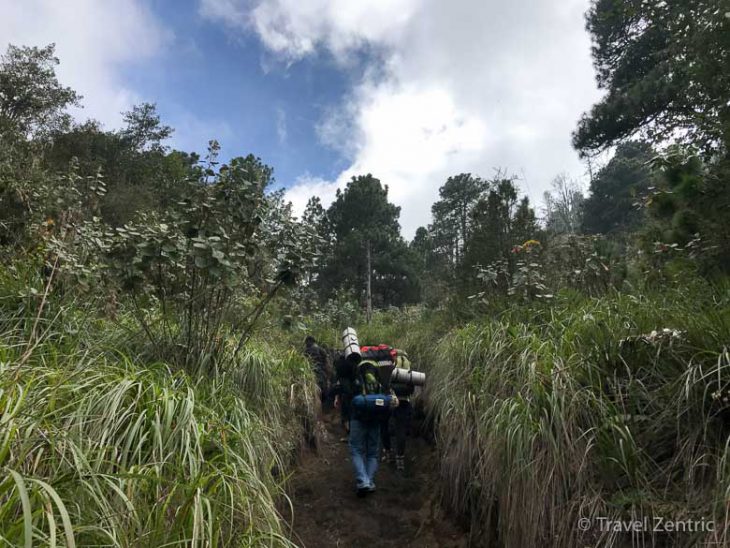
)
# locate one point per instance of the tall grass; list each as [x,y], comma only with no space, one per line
[96,449]
[552,413]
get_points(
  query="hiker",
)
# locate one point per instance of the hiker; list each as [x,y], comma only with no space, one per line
[365,422]
[368,406]
[342,389]
[320,361]
[400,416]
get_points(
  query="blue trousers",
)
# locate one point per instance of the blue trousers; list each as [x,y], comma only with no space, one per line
[364,450]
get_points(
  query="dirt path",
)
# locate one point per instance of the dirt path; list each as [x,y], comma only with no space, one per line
[403,512]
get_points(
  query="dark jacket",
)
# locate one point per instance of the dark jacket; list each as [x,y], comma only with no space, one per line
[320,360]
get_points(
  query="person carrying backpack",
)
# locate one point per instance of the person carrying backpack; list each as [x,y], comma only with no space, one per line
[319,359]
[370,403]
[401,416]
[344,375]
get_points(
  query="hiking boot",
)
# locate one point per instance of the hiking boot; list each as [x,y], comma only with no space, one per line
[362,491]
[371,488]
[400,463]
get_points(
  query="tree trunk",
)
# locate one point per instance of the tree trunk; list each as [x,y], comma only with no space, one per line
[368,286]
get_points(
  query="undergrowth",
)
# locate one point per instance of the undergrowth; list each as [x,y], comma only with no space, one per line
[99,448]
[615,407]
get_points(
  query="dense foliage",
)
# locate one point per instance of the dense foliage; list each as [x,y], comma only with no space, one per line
[136,408]
[666,70]
[367,249]
[613,407]
[99,449]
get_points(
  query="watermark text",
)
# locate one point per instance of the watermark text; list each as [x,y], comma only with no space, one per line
[647,524]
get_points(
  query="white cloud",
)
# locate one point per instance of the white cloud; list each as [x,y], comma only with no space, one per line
[420,132]
[307,186]
[295,28]
[458,86]
[410,134]
[94,41]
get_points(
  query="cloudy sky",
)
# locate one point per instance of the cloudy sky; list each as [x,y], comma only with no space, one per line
[411,91]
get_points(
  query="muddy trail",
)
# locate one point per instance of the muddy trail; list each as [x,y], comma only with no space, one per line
[403,512]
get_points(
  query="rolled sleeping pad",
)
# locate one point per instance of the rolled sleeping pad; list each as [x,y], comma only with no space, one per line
[350,344]
[406,376]
[372,403]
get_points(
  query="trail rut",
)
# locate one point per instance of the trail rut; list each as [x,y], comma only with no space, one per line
[403,512]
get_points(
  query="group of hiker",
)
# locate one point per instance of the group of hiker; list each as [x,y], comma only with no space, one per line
[372,387]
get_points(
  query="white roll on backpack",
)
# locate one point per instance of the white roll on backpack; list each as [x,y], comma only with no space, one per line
[406,376]
[350,344]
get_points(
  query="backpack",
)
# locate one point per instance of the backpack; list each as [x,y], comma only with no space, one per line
[384,357]
[402,390]
[380,354]
[371,400]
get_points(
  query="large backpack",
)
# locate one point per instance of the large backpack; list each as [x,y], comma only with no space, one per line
[371,401]
[402,389]
[384,357]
